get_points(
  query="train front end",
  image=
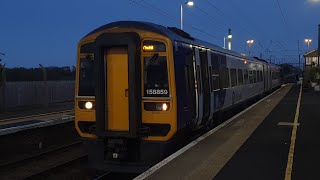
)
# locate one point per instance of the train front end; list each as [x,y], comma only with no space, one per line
[125,105]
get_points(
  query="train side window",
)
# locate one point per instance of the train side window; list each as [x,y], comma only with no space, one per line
[258,76]
[250,77]
[215,79]
[215,75]
[246,77]
[224,78]
[240,77]
[254,76]
[261,76]
[233,74]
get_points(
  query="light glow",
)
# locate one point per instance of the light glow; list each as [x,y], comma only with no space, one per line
[88,105]
[229,36]
[164,106]
[308,40]
[148,47]
[190,3]
[250,41]
[313,1]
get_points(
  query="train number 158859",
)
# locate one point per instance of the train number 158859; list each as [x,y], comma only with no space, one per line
[156,91]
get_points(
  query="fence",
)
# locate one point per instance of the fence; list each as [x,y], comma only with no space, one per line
[18,94]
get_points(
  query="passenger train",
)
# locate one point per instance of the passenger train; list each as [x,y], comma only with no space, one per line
[140,87]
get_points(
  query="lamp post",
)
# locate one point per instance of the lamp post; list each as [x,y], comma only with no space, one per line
[229,39]
[190,4]
[250,42]
[308,41]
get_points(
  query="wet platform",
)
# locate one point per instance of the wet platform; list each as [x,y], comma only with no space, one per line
[273,139]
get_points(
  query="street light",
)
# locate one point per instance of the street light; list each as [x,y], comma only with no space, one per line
[190,4]
[250,42]
[308,41]
[229,39]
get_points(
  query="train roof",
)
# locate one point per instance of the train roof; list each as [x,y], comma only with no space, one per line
[174,34]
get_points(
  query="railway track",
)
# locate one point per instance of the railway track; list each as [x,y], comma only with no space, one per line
[34,165]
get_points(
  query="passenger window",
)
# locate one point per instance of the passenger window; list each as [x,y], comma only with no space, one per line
[240,77]
[233,73]
[224,78]
[251,77]
[246,77]
[215,78]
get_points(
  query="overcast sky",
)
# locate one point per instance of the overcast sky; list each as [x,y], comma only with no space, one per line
[47,32]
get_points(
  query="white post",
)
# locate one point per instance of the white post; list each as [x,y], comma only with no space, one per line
[181,17]
[224,42]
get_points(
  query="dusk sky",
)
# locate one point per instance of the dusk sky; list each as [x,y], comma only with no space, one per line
[47,32]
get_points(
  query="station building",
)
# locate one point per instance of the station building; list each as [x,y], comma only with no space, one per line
[311,59]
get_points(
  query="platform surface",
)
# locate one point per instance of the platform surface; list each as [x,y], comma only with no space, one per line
[12,122]
[256,144]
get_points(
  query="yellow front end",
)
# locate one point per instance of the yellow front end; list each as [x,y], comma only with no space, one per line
[158,99]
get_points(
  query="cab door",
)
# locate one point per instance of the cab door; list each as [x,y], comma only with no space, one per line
[116,60]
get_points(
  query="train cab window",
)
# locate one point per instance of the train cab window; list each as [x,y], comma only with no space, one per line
[224,77]
[156,76]
[233,73]
[86,79]
[240,77]
[246,79]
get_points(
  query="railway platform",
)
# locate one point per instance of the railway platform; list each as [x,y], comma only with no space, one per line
[19,120]
[275,138]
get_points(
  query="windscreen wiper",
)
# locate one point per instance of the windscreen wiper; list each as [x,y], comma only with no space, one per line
[152,60]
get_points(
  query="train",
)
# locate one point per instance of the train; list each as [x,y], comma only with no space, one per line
[142,87]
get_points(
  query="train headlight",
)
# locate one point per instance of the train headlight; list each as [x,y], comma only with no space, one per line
[156,106]
[88,105]
[164,106]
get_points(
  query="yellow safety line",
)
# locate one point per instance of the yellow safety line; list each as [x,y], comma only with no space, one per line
[36,115]
[293,139]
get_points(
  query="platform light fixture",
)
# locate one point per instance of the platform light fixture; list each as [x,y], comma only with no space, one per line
[190,3]
[308,41]
[250,42]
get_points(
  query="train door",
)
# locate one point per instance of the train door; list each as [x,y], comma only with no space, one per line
[264,78]
[117,84]
[205,85]
[198,86]
[212,79]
